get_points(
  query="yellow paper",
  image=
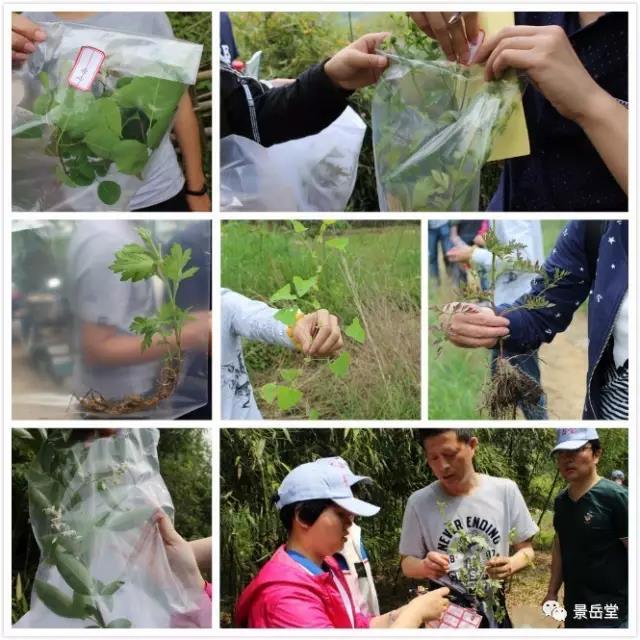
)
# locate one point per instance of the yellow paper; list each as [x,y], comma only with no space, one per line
[514,140]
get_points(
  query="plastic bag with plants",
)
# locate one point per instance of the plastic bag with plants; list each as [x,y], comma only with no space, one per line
[434,123]
[81,289]
[91,106]
[103,564]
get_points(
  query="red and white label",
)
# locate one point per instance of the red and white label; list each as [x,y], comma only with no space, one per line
[456,617]
[86,68]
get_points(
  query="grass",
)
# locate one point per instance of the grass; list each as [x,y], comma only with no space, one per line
[456,376]
[378,281]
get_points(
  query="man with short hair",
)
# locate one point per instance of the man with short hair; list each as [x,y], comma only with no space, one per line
[591,520]
[465,524]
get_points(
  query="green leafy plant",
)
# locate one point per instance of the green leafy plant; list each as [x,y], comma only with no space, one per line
[508,387]
[118,124]
[136,262]
[434,123]
[300,297]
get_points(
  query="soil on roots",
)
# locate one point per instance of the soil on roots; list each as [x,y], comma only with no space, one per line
[94,402]
[507,389]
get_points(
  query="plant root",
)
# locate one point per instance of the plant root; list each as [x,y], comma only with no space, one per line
[94,402]
[508,388]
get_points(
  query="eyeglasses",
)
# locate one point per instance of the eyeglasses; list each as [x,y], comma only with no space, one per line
[570,453]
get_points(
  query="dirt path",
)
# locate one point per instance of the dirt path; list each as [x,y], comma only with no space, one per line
[564,370]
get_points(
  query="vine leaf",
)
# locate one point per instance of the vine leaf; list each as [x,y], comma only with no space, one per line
[288,397]
[287,316]
[338,243]
[340,365]
[289,375]
[355,331]
[284,293]
[298,227]
[268,392]
[133,263]
[304,286]
[109,192]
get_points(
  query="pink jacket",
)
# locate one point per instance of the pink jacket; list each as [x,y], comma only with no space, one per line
[284,595]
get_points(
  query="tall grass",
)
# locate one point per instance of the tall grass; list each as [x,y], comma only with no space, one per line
[378,281]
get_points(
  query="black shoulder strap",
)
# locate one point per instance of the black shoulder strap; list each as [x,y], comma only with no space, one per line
[592,236]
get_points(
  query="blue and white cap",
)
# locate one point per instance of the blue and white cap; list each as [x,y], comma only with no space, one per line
[325,478]
[571,439]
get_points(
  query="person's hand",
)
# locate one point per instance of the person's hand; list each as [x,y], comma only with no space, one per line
[479,240]
[461,253]
[357,65]
[468,325]
[551,595]
[429,606]
[548,58]
[459,38]
[318,333]
[199,203]
[435,565]
[196,333]
[499,567]
[25,34]
[179,553]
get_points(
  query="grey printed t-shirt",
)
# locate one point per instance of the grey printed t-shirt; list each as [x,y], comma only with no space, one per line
[162,177]
[97,296]
[243,318]
[492,511]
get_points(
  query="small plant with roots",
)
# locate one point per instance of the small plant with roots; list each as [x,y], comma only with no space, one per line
[136,262]
[507,387]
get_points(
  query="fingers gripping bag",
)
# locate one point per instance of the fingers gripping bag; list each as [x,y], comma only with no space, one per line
[103,563]
[434,124]
[315,173]
[90,108]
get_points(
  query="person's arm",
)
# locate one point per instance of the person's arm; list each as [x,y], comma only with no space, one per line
[25,35]
[555,579]
[431,567]
[422,609]
[202,551]
[187,133]
[547,56]
[102,345]
[501,567]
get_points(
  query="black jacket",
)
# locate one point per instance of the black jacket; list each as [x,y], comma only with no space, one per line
[269,116]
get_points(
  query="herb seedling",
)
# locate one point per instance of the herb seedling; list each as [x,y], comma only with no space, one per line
[509,387]
[136,262]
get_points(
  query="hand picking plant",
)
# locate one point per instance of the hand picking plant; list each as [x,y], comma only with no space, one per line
[508,387]
[300,299]
[434,123]
[117,124]
[136,262]
[69,507]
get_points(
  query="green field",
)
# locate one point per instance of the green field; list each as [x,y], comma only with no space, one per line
[457,376]
[377,280]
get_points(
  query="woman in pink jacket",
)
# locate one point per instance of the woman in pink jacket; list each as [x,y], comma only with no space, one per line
[301,586]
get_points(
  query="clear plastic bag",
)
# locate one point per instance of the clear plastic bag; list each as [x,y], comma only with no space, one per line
[434,123]
[64,291]
[316,173]
[103,562]
[90,108]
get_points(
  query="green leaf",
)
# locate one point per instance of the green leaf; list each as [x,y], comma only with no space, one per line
[111,588]
[75,574]
[43,76]
[108,114]
[288,397]
[174,263]
[289,375]
[355,331]
[130,156]
[340,365]
[42,104]
[304,286]
[298,227]
[313,414]
[268,392]
[338,243]
[109,192]
[284,293]
[119,623]
[31,133]
[133,263]
[57,601]
[102,141]
[131,519]
[287,316]
[145,327]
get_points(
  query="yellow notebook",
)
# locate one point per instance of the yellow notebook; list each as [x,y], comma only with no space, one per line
[514,140]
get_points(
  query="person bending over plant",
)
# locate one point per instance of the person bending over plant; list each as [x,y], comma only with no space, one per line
[302,586]
[576,103]
[593,255]
[314,334]
[166,186]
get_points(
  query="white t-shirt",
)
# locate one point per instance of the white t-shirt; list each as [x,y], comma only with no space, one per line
[243,318]
[494,510]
